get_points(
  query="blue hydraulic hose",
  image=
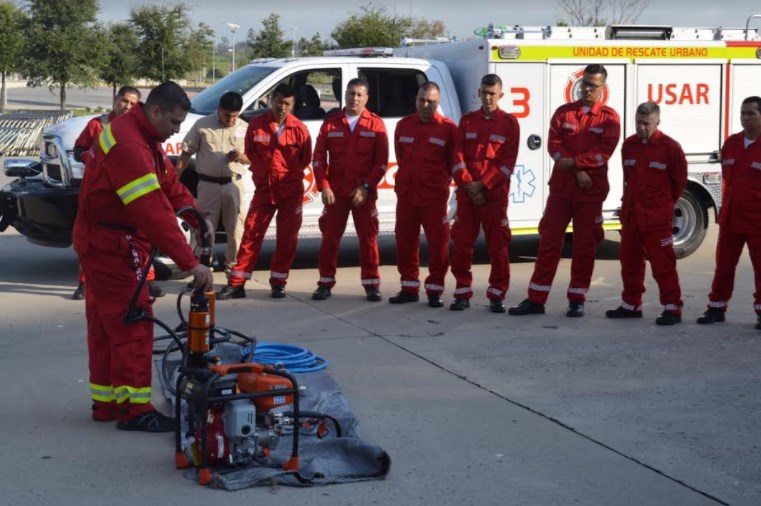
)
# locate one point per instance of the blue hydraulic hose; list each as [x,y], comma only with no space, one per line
[293,358]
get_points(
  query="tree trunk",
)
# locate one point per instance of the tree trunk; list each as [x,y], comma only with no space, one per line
[63,97]
[113,86]
[2,94]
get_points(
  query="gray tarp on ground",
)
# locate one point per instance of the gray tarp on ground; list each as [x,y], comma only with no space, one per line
[322,461]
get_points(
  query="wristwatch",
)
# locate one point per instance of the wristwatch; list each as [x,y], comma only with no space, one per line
[366,187]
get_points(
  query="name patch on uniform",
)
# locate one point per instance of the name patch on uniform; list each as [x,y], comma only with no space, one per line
[261,138]
[596,130]
[335,134]
[728,161]
[629,162]
[756,165]
[407,140]
[437,141]
[497,138]
[658,165]
[367,134]
[570,126]
[667,242]
[471,135]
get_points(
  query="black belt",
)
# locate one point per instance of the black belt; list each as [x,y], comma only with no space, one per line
[219,180]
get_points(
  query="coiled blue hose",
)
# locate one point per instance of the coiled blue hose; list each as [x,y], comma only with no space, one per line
[294,358]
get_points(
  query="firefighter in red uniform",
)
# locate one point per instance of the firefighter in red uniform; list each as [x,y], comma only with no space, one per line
[350,159]
[428,151]
[740,215]
[583,136]
[126,203]
[655,174]
[279,148]
[126,97]
[489,137]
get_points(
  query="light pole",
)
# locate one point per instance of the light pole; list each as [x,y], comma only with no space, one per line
[233,29]
[214,61]
[293,41]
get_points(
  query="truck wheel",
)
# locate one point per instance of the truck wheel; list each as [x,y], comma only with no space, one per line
[690,224]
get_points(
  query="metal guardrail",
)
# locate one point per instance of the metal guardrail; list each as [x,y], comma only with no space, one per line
[20,132]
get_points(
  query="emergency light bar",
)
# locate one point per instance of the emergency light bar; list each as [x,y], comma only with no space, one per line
[360,51]
[640,32]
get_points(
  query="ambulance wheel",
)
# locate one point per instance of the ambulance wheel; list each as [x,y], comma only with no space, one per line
[690,224]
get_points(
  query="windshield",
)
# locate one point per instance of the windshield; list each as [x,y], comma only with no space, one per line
[241,81]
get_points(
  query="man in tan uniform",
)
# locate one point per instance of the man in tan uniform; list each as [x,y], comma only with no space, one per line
[217,140]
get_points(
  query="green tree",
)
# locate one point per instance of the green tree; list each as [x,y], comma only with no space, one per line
[312,47]
[11,40]
[120,66]
[269,41]
[162,31]
[199,47]
[373,26]
[62,44]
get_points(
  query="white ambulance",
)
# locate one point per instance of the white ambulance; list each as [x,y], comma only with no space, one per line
[698,76]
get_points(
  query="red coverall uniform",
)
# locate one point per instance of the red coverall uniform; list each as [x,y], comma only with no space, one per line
[277,163]
[127,201]
[655,174]
[427,154]
[84,142]
[739,218]
[343,161]
[590,139]
[490,147]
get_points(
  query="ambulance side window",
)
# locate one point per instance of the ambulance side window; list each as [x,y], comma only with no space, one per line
[315,94]
[392,91]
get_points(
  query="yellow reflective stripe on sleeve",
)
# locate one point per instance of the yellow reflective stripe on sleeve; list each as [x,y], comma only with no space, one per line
[138,187]
[106,139]
[101,393]
[135,395]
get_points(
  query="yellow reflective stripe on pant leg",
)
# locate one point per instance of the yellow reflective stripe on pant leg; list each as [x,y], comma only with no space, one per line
[138,187]
[135,395]
[140,395]
[101,393]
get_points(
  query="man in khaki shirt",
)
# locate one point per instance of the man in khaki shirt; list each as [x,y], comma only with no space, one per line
[217,140]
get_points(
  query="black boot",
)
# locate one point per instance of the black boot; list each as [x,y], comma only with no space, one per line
[712,315]
[668,318]
[152,421]
[459,304]
[575,309]
[79,293]
[622,312]
[278,291]
[322,293]
[231,292]
[496,306]
[155,290]
[434,300]
[373,294]
[404,297]
[526,307]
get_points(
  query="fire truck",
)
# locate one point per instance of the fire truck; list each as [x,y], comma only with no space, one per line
[699,76]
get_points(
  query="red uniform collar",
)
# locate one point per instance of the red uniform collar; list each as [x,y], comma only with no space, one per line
[654,139]
[290,120]
[594,109]
[498,112]
[145,126]
[437,118]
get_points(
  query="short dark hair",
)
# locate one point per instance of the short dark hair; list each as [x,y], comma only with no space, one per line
[358,81]
[491,80]
[168,96]
[284,90]
[128,89]
[428,86]
[753,100]
[648,108]
[231,101]
[596,68]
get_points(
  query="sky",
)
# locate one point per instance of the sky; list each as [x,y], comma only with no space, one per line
[461,17]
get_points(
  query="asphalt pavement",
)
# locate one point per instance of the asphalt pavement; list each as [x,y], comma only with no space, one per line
[474,408]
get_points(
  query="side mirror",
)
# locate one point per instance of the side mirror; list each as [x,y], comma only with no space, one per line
[21,167]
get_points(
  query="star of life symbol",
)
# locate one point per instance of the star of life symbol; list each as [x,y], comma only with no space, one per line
[522,184]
